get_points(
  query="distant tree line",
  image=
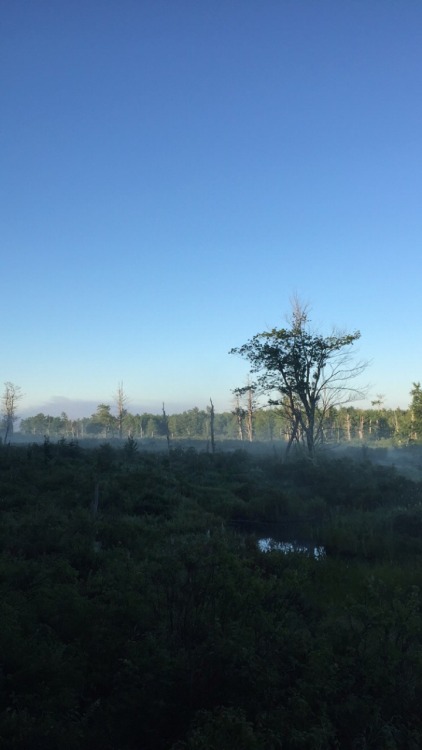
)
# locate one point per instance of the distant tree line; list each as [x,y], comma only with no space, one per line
[191,424]
[306,380]
[340,425]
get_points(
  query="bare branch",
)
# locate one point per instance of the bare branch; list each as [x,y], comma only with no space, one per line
[11,396]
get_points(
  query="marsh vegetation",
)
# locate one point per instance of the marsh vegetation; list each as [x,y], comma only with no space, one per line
[135,613]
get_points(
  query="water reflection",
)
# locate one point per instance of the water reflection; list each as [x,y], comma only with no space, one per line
[268,544]
[288,537]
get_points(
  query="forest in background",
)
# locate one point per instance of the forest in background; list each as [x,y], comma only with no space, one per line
[346,424]
[305,379]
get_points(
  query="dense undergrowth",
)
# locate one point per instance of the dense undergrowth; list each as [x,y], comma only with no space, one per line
[135,616]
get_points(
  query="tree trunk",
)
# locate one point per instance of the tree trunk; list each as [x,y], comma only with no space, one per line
[212,415]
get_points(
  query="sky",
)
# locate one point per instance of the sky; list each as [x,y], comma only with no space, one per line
[173,172]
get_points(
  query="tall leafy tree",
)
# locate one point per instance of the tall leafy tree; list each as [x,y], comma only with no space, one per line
[304,373]
[103,421]
[37,425]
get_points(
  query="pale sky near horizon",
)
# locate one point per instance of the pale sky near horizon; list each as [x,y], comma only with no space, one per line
[173,172]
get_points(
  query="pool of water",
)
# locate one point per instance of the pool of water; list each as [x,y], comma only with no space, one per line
[267,544]
[289,537]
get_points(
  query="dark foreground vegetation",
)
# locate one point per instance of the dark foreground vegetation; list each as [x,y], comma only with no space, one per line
[135,615]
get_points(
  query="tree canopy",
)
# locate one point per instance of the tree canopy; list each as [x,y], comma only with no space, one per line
[304,373]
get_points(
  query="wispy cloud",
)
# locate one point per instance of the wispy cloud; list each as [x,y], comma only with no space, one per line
[78,408]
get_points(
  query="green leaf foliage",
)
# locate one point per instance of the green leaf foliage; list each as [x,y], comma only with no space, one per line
[138,611]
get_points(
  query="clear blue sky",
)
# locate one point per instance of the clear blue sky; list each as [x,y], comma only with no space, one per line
[172,172]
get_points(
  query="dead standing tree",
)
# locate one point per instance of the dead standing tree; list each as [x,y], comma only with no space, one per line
[247,413]
[239,412]
[212,419]
[11,396]
[166,427]
[121,401]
